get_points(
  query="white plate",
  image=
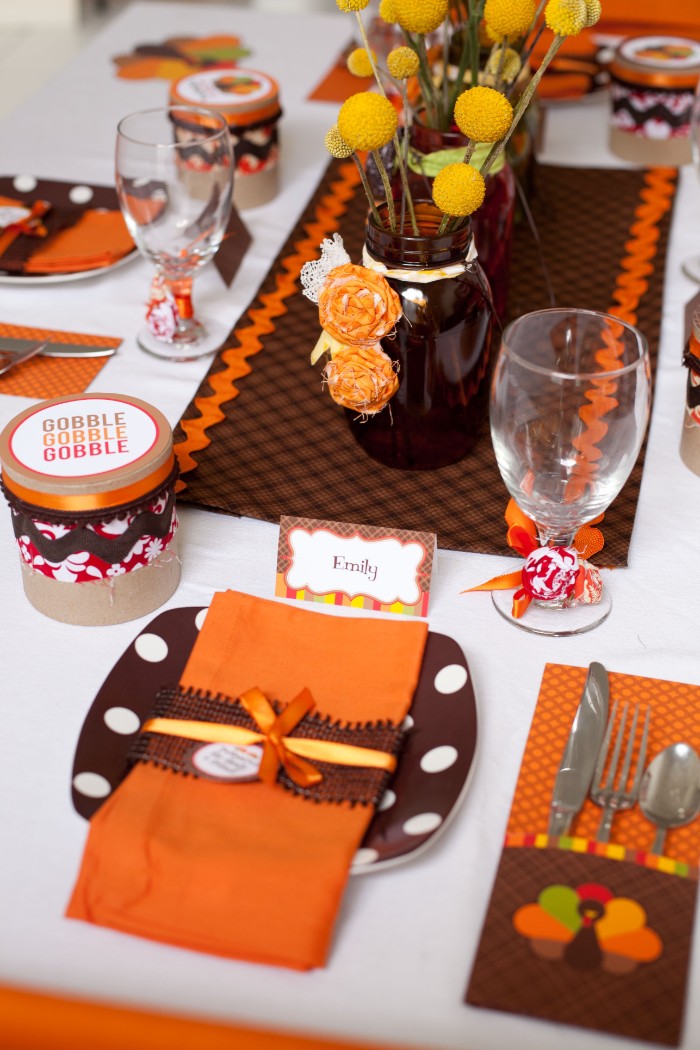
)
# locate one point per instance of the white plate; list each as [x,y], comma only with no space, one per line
[59,278]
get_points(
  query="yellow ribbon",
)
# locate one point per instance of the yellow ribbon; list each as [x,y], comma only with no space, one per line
[326,342]
[278,747]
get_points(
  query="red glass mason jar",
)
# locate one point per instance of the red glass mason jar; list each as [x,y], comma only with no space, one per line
[442,345]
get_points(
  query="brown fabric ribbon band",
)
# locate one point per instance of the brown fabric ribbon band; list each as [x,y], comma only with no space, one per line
[338,783]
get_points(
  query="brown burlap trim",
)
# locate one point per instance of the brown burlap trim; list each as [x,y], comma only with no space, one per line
[354,784]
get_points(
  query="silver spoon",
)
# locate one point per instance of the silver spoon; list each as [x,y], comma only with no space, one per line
[670,791]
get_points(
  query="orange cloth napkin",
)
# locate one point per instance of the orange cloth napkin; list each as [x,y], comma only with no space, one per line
[97,239]
[249,870]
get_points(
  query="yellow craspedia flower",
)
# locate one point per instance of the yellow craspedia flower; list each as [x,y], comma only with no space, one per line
[459,189]
[420,16]
[387,11]
[483,114]
[402,63]
[508,63]
[594,10]
[352,5]
[359,63]
[565,17]
[511,18]
[367,121]
[336,144]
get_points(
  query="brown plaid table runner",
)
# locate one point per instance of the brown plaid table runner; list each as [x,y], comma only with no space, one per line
[261,439]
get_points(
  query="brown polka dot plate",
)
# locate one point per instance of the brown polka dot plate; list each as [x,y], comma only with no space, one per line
[69,201]
[433,772]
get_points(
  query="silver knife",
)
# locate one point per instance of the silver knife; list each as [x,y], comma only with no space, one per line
[581,752]
[51,349]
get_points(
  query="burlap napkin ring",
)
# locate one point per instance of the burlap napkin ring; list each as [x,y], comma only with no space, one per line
[252,738]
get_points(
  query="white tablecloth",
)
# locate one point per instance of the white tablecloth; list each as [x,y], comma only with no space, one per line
[406,938]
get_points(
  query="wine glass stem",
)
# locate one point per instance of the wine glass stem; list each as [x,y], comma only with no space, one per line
[551,536]
[189,329]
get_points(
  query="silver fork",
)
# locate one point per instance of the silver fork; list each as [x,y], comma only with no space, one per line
[611,792]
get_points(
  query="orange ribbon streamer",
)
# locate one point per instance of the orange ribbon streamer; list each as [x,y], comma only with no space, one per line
[522,538]
[278,747]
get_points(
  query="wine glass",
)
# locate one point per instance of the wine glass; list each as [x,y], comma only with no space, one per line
[691,266]
[174,177]
[570,401]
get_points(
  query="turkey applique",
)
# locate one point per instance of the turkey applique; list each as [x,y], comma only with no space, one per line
[588,928]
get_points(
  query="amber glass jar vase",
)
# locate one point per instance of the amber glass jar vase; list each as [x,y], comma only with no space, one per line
[492,224]
[441,345]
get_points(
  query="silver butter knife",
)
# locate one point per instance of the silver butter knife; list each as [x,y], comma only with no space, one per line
[581,752]
[49,349]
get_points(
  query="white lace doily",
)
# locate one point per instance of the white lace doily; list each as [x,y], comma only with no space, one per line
[314,273]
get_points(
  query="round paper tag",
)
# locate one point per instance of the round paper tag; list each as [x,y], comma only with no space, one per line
[226,762]
[12,213]
[227,87]
[666,52]
[84,436]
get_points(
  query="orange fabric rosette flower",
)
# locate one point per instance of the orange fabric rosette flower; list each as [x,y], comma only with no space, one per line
[357,306]
[361,377]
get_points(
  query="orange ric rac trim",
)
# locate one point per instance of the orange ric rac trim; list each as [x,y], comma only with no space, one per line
[328,211]
[631,284]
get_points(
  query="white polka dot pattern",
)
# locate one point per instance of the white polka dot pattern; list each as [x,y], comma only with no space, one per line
[439,759]
[151,647]
[387,800]
[422,823]
[200,618]
[24,183]
[451,678]
[92,784]
[80,194]
[365,857]
[122,720]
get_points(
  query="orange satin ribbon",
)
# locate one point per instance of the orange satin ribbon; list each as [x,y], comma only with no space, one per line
[87,501]
[278,747]
[522,538]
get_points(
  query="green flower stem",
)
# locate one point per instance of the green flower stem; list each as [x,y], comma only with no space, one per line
[424,79]
[368,190]
[522,104]
[368,49]
[425,65]
[540,8]
[404,183]
[442,228]
[475,16]
[525,55]
[387,189]
[401,156]
[471,146]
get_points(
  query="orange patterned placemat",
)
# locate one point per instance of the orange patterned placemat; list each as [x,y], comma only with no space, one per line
[675,716]
[47,377]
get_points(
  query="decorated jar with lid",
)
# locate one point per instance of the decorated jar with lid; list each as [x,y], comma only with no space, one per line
[249,102]
[90,482]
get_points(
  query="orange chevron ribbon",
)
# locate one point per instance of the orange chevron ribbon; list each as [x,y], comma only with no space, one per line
[522,538]
[329,209]
[631,284]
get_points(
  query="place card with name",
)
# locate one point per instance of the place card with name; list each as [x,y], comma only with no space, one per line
[361,566]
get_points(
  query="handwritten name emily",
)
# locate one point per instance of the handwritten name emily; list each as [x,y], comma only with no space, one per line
[364,567]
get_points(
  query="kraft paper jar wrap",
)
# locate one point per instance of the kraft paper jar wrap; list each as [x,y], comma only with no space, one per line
[90,481]
[653,81]
[249,102]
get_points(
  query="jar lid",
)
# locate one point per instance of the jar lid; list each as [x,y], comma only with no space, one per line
[242,96]
[658,61]
[86,452]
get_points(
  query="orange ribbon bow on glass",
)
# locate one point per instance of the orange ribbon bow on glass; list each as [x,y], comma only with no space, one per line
[278,747]
[559,572]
